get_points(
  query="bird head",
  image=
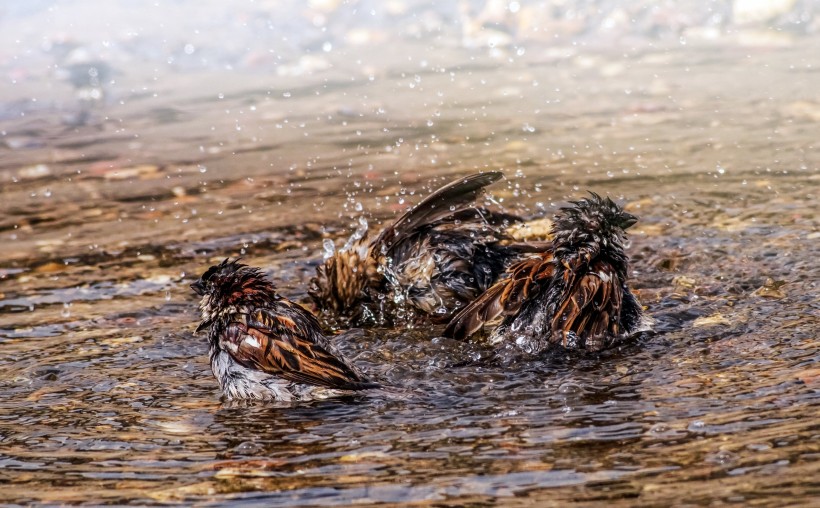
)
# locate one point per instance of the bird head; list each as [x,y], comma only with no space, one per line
[589,227]
[225,287]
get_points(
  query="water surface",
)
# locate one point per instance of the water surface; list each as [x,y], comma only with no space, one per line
[112,204]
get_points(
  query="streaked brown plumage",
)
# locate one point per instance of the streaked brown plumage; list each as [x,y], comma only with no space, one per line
[431,261]
[263,346]
[575,296]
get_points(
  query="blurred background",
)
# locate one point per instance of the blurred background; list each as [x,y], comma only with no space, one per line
[140,141]
[182,98]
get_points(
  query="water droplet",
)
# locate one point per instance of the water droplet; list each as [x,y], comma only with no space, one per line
[722,457]
[66,312]
[329,248]
[570,388]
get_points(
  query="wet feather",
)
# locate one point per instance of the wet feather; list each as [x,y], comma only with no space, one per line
[575,296]
[263,346]
[431,261]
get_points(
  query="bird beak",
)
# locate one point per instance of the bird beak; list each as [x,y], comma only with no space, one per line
[198,287]
[628,220]
[203,325]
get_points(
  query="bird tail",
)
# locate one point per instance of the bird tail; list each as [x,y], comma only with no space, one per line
[505,297]
[472,318]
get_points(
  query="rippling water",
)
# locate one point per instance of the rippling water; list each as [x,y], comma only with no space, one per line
[110,210]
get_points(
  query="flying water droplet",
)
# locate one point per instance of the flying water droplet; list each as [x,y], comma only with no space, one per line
[357,235]
[329,248]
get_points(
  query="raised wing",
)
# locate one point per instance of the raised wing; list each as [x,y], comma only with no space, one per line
[446,201]
[286,345]
[505,298]
[590,311]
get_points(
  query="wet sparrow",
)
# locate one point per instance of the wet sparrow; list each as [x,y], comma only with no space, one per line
[431,261]
[263,346]
[575,295]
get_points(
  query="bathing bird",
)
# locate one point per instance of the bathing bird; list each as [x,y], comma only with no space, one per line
[431,261]
[575,295]
[263,346]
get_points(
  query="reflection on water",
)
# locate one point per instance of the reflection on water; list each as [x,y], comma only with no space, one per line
[134,154]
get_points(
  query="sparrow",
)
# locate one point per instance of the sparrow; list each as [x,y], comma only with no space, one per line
[431,261]
[263,346]
[575,295]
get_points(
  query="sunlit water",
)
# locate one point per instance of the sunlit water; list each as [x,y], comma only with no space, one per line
[110,210]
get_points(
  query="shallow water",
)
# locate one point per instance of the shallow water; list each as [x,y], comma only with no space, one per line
[106,393]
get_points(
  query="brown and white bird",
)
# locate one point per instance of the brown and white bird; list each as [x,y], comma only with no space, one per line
[575,296]
[263,346]
[431,261]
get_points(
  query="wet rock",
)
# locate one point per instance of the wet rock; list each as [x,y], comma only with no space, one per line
[143,172]
[771,289]
[36,171]
[803,110]
[810,376]
[306,65]
[51,267]
[713,320]
[21,143]
[764,39]
[683,281]
[759,11]
[538,229]
[722,457]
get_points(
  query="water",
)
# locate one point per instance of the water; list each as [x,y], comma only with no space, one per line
[111,207]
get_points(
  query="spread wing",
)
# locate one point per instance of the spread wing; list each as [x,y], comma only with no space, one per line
[527,278]
[444,202]
[591,309]
[288,345]
[343,280]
